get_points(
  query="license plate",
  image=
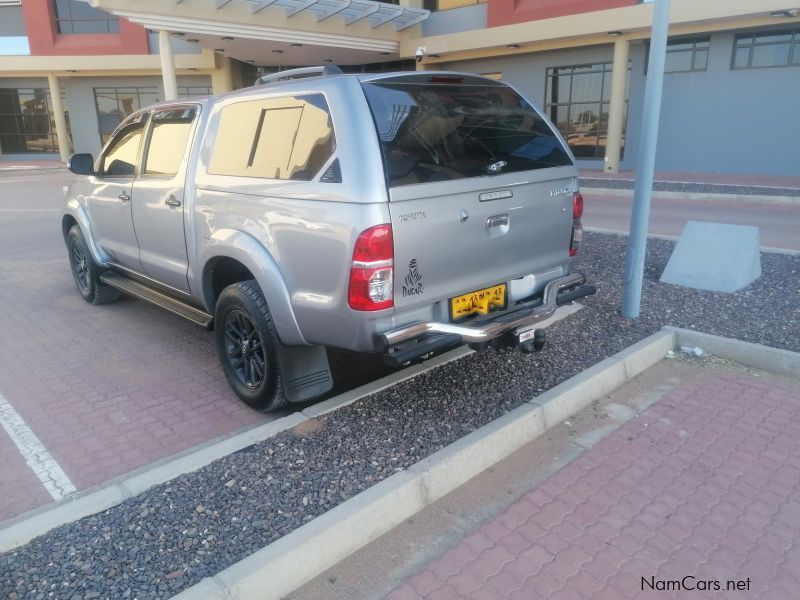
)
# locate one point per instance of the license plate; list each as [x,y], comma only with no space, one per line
[478,303]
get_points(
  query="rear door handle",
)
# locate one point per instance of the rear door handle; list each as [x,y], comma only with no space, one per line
[124,197]
[172,201]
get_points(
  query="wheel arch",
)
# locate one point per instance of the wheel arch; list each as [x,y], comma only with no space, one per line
[231,256]
[75,214]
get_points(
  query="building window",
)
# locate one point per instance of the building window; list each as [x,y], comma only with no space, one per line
[26,121]
[577,99]
[767,49]
[74,16]
[685,55]
[193,91]
[114,104]
[439,5]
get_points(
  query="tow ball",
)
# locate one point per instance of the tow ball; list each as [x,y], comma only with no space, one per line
[535,344]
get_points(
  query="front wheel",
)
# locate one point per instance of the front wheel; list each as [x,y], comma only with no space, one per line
[85,272]
[246,345]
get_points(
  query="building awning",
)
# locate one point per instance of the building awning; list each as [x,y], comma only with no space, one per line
[280,32]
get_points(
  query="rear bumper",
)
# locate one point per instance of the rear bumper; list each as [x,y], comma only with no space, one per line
[559,291]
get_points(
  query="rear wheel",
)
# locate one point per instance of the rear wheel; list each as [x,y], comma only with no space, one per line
[85,272]
[246,345]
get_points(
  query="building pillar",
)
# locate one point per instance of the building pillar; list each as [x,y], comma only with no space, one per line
[59,118]
[222,75]
[168,65]
[616,109]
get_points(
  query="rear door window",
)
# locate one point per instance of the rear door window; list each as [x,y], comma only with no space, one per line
[439,128]
[277,138]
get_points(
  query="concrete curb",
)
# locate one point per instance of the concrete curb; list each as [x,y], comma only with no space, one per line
[22,529]
[91,501]
[783,362]
[695,196]
[15,172]
[298,557]
[674,238]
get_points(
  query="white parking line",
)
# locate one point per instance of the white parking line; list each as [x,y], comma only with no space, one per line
[35,454]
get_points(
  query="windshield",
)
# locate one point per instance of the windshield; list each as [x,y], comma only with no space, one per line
[462,128]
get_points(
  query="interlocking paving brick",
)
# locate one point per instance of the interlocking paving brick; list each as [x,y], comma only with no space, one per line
[709,488]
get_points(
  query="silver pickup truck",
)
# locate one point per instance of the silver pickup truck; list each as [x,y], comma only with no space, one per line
[400,213]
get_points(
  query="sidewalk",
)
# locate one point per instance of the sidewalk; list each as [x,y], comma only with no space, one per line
[704,485]
[20,167]
[697,185]
[709,488]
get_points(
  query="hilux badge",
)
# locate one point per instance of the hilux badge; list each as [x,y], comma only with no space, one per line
[561,191]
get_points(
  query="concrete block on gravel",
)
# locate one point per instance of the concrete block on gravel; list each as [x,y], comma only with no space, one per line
[462,460]
[274,571]
[715,256]
[576,393]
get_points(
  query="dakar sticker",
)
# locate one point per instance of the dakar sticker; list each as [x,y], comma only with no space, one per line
[412,285]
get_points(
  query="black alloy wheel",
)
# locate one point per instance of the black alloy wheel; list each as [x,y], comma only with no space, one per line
[247,346]
[245,350]
[80,265]
[86,272]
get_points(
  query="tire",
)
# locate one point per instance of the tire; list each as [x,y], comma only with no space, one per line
[85,272]
[247,346]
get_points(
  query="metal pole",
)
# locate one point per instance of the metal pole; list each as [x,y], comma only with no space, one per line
[643,191]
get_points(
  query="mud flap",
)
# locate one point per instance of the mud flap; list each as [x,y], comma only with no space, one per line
[305,371]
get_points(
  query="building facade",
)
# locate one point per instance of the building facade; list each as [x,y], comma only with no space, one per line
[730,91]
[65,57]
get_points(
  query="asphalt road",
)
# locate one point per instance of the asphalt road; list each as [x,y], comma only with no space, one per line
[779,224]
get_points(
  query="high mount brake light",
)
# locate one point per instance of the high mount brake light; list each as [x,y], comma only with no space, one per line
[440,79]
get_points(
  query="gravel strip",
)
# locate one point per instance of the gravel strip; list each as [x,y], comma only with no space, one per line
[693,188]
[172,536]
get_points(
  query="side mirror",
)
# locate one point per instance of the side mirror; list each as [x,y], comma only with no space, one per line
[81,164]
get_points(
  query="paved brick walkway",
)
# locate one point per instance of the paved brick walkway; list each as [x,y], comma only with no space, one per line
[705,483]
[106,389]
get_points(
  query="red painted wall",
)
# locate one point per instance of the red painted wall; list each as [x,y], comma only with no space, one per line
[45,40]
[508,12]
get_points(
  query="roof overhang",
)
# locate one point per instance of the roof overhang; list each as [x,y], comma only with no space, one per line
[279,32]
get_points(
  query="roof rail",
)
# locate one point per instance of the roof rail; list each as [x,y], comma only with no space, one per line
[320,71]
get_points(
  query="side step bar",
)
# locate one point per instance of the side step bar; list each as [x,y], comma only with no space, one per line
[157,297]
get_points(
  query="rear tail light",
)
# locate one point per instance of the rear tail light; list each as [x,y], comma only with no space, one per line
[577,205]
[577,227]
[372,270]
